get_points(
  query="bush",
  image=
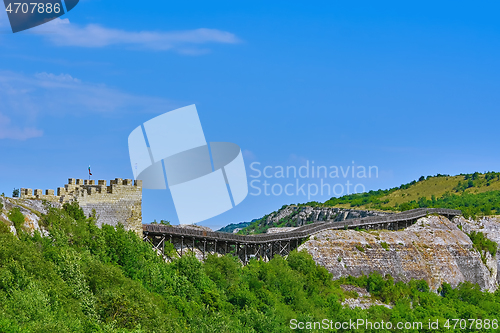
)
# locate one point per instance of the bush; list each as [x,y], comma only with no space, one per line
[481,243]
[360,248]
[17,218]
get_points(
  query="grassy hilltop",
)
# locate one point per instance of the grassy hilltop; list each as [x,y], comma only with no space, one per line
[438,186]
[475,194]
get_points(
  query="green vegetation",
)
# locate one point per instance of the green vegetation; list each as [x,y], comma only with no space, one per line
[162,222]
[85,279]
[360,248]
[475,194]
[17,218]
[472,205]
[483,244]
[231,227]
[385,245]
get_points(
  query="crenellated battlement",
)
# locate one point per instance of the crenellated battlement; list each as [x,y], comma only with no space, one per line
[80,188]
[118,202]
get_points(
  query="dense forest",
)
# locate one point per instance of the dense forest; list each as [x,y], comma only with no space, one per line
[81,278]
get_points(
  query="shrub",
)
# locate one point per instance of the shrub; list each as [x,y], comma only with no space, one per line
[481,243]
[360,248]
[4,228]
[17,218]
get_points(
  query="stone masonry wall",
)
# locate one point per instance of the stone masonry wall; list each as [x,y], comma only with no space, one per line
[120,202]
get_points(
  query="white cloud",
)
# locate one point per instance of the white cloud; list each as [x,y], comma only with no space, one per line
[24,99]
[57,78]
[7,131]
[63,33]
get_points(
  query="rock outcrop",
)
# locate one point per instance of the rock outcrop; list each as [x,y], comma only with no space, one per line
[433,249]
[31,209]
[296,216]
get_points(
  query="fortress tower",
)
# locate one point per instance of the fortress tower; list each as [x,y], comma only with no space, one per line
[118,202]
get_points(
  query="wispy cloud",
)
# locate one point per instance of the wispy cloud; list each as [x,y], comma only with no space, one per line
[24,99]
[63,33]
[8,131]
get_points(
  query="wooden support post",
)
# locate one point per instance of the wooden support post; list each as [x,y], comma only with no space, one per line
[245,261]
[204,248]
[182,244]
[192,249]
[225,251]
[215,246]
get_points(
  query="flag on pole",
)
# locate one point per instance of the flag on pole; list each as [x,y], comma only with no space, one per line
[90,173]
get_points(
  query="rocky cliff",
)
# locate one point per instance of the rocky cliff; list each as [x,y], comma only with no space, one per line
[433,249]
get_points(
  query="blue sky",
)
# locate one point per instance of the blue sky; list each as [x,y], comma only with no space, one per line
[409,87]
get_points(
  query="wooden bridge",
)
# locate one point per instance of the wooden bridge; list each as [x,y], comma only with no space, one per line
[266,246]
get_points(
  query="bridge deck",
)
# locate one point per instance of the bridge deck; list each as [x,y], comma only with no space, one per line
[371,222]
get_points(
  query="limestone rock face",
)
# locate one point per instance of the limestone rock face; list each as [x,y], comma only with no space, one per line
[490,227]
[433,249]
[31,209]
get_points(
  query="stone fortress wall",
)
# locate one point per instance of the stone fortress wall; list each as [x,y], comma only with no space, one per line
[118,202]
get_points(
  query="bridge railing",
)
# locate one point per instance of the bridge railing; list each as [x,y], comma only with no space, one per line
[301,232]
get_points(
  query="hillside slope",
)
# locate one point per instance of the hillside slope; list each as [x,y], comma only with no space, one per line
[431,188]
[475,194]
